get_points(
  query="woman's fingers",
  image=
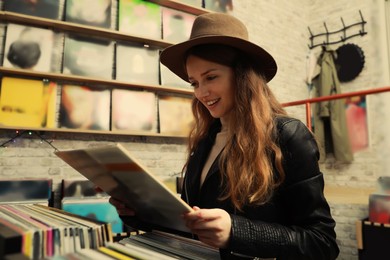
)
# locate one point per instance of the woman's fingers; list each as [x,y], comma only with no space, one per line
[121,207]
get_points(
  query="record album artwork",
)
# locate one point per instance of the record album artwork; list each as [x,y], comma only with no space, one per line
[90,58]
[176,25]
[134,111]
[175,115]
[82,107]
[137,64]
[222,6]
[25,190]
[95,208]
[168,78]
[41,8]
[357,123]
[141,18]
[28,103]
[89,12]
[28,47]
[79,188]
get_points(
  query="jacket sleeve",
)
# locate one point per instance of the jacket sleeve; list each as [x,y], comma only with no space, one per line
[309,231]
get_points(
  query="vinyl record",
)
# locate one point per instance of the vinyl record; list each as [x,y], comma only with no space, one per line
[349,62]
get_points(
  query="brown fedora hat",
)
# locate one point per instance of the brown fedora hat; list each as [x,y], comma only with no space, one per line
[218,28]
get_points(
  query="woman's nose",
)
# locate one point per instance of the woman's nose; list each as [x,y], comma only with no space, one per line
[202,91]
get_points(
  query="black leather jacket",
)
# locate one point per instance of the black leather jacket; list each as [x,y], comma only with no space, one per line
[295,224]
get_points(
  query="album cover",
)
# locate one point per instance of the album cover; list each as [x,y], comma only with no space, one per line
[94,208]
[82,107]
[140,18]
[79,188]
[28,48]
[41,8]
[116,171]
[88,57]
[134,111]
[25,190]
[176,25]
[175,115]
[379,208]
[137,64]
[28,103]
[222,6]
[168,78]
[94,13]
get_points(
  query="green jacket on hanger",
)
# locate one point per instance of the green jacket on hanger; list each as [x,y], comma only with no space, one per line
[330,125]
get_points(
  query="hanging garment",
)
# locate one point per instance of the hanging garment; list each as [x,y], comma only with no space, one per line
[330,125]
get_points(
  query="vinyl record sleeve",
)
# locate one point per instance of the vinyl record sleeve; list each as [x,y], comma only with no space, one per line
[114,169]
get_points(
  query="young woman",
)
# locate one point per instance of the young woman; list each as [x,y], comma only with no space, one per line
[252,173]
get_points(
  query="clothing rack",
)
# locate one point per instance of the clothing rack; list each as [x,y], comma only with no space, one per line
[342,31]
[307,102]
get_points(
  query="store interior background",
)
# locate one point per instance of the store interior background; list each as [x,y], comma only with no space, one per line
[281,27]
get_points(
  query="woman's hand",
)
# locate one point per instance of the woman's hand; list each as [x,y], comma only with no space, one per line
[121,207]
[212,226]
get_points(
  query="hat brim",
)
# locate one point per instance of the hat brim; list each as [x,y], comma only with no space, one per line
[173,56]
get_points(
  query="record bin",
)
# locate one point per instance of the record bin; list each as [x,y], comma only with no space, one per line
[373,240]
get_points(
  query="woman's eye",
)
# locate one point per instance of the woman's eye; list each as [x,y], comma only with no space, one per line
[193,84]
[211,77]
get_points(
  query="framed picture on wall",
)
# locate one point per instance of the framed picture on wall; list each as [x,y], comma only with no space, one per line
[357,122]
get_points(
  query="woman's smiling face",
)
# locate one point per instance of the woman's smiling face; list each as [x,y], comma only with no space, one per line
[213,85]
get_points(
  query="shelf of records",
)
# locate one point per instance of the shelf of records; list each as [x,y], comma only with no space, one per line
[46,105]
[115,40]
[85,226]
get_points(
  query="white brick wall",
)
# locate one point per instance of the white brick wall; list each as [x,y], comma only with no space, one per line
[280,26]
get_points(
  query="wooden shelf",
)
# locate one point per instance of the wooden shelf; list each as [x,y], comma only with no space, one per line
[84,30]
[95,81]
[99,132]
[347,195]
[180,6]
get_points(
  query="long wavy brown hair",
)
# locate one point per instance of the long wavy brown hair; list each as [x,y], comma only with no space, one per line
[251,151]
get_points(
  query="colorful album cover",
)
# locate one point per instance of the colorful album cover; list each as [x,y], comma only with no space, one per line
[89,12]
[168,78]
[356,116]
[79,188]
[28,103]
[25,190]
[176,25]
[137,64]
[379,208]
[90,58]
[41,8]
[222,6]
[140,18]
[175,115]
[97,209]
[82,107]
[28,47]
[134,111]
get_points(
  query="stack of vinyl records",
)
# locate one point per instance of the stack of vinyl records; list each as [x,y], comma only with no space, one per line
[149,245]
[37,232]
